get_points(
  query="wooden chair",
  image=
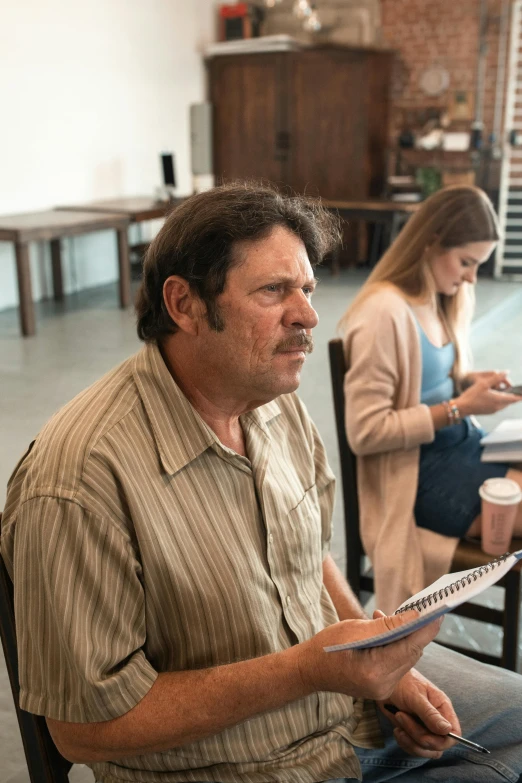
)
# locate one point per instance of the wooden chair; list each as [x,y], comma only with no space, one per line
[467,555]
[44,762]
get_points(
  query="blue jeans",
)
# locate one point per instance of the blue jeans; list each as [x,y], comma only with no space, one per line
[450,474]
[488,702]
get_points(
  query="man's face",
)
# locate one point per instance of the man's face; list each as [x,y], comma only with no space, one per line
[268,319]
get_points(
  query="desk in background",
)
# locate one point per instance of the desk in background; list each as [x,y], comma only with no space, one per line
[51,226]
[390,216]
[138,209]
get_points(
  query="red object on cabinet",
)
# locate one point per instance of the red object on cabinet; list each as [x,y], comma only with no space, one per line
[239,21]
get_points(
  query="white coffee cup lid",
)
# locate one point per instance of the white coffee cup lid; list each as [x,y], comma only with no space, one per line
[503,491]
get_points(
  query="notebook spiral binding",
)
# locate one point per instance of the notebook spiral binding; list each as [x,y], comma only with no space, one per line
[439,595]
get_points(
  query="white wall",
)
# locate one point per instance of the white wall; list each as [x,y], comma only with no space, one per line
[91,93]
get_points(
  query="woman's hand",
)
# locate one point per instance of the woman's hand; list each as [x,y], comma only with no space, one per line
[502,384]
[483,397]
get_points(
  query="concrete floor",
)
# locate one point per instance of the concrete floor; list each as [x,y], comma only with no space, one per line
[79,340]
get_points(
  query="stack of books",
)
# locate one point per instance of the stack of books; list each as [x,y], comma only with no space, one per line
[504,443]
[265,43]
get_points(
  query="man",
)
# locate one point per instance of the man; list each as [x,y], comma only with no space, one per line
[168,537]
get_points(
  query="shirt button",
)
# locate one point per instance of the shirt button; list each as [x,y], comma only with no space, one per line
[329,722]
[270,539]
[288,600]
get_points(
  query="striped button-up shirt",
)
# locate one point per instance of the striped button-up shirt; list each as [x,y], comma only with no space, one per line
[140,544]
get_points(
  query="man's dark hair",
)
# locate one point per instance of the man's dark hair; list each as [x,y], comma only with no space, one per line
[198,238]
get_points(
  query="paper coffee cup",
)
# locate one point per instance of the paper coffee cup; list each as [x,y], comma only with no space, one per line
[500,499]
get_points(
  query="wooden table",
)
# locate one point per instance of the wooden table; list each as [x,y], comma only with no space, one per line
[390,215]
[50,226]
[136,208]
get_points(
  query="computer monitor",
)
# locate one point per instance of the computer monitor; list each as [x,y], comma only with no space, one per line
[168,168]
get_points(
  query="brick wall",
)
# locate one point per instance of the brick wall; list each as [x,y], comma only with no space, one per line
[442,32]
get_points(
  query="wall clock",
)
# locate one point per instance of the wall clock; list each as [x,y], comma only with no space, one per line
[434,80]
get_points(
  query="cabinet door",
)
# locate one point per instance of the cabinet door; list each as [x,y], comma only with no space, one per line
[248,118]
[329,123]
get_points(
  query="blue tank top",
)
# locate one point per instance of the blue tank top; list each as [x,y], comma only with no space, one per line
[436,383]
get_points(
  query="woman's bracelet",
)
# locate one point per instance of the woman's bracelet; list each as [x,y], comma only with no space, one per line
[452,412]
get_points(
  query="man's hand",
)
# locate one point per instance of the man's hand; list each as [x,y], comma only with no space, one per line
[373,673]
[415,695]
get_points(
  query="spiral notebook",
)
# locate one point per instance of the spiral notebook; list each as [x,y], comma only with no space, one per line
[441,597]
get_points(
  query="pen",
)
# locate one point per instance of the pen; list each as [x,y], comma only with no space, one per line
[468,743]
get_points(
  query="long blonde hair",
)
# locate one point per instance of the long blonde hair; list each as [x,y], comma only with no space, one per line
[450,218]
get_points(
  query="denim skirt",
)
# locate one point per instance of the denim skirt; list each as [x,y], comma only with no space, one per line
[450,474]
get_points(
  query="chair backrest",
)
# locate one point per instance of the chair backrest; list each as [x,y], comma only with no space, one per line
[44,762]
[354,550]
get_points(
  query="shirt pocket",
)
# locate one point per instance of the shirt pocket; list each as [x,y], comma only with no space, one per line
[306,543]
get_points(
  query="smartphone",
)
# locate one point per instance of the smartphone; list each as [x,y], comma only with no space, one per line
[513,390]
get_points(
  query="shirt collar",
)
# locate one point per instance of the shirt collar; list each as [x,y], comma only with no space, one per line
[179,432]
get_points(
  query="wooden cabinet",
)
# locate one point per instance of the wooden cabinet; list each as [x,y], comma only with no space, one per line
[314,120]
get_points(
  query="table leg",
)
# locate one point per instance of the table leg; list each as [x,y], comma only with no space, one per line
[390,231]
[25,294]
[124,267]
[362,242]
[376,244]
[396,225]
[336,262]
[56,261]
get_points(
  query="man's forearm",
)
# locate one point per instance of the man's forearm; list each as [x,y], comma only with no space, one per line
[344,600]
[183,707]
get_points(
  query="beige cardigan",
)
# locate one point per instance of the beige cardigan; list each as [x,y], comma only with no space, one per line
[385,425]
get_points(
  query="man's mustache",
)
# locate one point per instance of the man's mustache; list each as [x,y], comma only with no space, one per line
[303,341]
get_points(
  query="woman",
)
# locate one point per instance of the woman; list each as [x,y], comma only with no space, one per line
[410,396]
